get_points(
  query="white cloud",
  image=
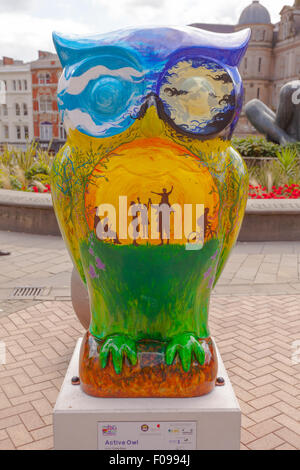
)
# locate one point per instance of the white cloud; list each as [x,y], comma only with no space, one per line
[21,35]
[16,5]
[75,85]
[26,25]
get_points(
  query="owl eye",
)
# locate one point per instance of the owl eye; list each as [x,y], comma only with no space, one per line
[109,96]
[198,96]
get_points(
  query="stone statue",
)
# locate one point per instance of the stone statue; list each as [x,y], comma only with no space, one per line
[284,126]
[150,197]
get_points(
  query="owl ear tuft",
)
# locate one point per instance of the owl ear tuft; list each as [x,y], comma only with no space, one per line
[238,46]
[69,48]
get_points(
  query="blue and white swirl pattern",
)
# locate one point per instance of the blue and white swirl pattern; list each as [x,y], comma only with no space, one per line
[101,100]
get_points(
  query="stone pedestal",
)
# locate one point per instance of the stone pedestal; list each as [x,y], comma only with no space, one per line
[210,422]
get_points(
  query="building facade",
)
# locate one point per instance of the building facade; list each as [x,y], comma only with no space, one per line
[273,56]
[45,73]
[16,116]
[28,104]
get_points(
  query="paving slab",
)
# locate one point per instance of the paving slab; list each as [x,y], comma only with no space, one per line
[253,268]
[257,352]
[255,318]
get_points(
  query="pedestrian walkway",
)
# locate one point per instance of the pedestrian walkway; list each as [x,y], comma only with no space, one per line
[255,335]
[253,268]
[254,318]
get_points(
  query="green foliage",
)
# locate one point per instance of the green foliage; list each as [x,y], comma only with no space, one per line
[283,168]
[42,178]
[277,172]
[38,168]
[255,147]
[288,159]
[15,183]
[23,169]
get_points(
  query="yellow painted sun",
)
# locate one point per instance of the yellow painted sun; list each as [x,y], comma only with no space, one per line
[143,172]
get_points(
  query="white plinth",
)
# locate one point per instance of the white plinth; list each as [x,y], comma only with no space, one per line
[211,422]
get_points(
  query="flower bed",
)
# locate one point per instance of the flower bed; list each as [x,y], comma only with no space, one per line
[276,177]
[47,189]
[255,192]
[282,192]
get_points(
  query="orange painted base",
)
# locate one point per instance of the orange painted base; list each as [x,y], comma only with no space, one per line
[151,377]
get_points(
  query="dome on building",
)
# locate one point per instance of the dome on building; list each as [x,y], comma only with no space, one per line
[254,14]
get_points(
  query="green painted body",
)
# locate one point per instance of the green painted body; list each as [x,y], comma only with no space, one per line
[149,291]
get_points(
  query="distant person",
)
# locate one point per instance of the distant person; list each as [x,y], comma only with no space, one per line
[4,253]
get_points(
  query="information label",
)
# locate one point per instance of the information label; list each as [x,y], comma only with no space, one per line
[150,435]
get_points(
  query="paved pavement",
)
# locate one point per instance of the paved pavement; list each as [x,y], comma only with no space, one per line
[255,319]
[43,261]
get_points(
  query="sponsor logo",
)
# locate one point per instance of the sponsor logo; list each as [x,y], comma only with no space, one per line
[109,430]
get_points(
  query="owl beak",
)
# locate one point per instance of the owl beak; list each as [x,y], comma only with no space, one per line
[151,124]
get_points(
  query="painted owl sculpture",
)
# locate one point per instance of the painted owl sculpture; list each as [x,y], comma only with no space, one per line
[150,197]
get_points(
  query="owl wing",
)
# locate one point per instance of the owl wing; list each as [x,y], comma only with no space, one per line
[237,183]
[63,203]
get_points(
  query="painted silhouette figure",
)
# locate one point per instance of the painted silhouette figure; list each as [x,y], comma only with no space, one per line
[208,231]
[164,215]
[143,210]
[103,230]
[137,228]
[164,196]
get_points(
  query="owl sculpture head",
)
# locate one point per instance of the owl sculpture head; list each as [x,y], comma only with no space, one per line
[149,114]
[190,75]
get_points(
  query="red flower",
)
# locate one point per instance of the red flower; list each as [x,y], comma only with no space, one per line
[282,192]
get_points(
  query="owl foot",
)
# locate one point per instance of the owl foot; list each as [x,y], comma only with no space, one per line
[186,345]
[119,346]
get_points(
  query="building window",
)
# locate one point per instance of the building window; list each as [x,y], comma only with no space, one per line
[46,131]
[18,110]
[5,111]
[3,86]
[14,84]
[25,109]
[25,84]
[44,78]
[45,103]
[19,85]
[26,132]
[62,132]
[18,132]
[258,93]
[259,64]
[6,132]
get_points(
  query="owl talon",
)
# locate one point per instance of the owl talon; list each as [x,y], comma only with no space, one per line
[186,345]
[119,346]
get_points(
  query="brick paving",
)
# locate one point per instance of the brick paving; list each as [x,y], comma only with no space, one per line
[43,261]
[255,319]
[255,335]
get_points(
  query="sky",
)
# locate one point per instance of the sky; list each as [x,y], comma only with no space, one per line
[26,25]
